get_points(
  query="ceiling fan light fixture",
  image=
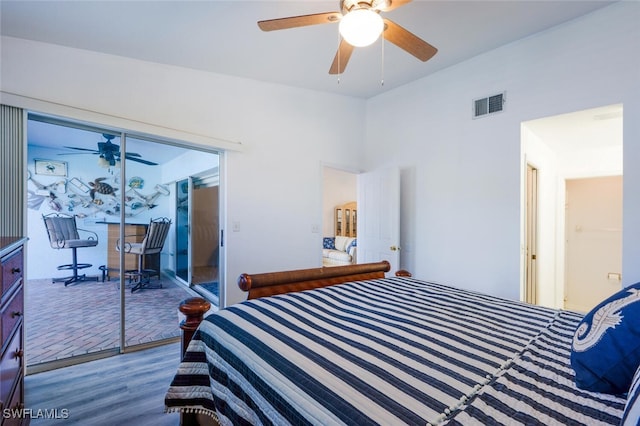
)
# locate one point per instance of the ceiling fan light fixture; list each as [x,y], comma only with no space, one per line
[361,27]
[103,162]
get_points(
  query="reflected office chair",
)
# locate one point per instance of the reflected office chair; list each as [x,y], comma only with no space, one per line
[152,243]
[64,234]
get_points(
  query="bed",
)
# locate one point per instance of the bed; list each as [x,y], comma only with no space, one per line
[359,348]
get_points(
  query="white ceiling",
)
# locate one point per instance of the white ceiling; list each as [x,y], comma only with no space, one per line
[581,130]
[222,36]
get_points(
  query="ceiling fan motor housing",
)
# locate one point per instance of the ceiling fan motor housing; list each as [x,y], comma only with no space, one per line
[347,6]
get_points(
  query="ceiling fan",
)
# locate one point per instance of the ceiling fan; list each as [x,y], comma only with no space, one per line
[110,153]
[355,18]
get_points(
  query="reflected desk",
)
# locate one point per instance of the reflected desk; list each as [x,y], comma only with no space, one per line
[134,232]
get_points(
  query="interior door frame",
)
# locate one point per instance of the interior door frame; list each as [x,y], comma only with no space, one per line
[531,235]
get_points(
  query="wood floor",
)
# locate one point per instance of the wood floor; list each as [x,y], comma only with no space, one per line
[126,389]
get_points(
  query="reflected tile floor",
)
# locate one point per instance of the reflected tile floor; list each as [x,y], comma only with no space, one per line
[61,322]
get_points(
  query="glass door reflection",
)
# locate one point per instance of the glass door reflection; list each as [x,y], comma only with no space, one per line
[149,291]
[198,232]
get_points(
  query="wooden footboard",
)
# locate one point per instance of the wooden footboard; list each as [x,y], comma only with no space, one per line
[271,283]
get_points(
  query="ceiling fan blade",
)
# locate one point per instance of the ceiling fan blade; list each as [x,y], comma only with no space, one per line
[299,21]
[79,153]
[342,58]
[140,160]
[129,154]
[394,4]
[408,41]
[82,149]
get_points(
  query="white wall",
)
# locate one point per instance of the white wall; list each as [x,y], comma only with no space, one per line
[464,222]
[273,180]
[460,177]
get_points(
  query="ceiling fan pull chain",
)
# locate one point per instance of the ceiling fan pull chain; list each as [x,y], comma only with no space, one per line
[382,60]
[339,45]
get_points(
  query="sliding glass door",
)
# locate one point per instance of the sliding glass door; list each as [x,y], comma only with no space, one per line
[121,188]
[70,312]
[198,233]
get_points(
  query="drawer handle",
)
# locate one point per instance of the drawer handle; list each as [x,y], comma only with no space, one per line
[16,314]
[16,270]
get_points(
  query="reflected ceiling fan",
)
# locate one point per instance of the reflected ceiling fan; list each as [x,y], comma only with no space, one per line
[360,25]
[110,153]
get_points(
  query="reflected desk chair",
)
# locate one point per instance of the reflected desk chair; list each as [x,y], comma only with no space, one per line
[152,243]
[64,234]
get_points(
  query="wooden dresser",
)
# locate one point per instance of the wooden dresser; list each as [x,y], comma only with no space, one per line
[12,314]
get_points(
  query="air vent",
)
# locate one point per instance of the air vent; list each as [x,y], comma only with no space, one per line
[488,105]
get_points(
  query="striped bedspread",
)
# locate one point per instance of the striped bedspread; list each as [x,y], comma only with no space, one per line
[389,351]
[538,388]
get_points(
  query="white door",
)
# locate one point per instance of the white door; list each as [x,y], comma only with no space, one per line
[379,217]
[593,241]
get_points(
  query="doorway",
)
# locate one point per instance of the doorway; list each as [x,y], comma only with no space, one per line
[593,241]
[579,145]
[377,195]
[339,187]
[198,233]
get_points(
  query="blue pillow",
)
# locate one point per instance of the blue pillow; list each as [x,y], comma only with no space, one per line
[632,407]
[605,353]
[329,243]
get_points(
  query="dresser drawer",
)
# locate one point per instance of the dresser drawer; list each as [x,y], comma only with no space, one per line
[11,366]
[11,314]
[12,269]
[15,414]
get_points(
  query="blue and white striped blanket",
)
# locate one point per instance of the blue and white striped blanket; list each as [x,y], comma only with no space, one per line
[389,351]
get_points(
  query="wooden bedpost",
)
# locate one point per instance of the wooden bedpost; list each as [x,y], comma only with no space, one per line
[194,309]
